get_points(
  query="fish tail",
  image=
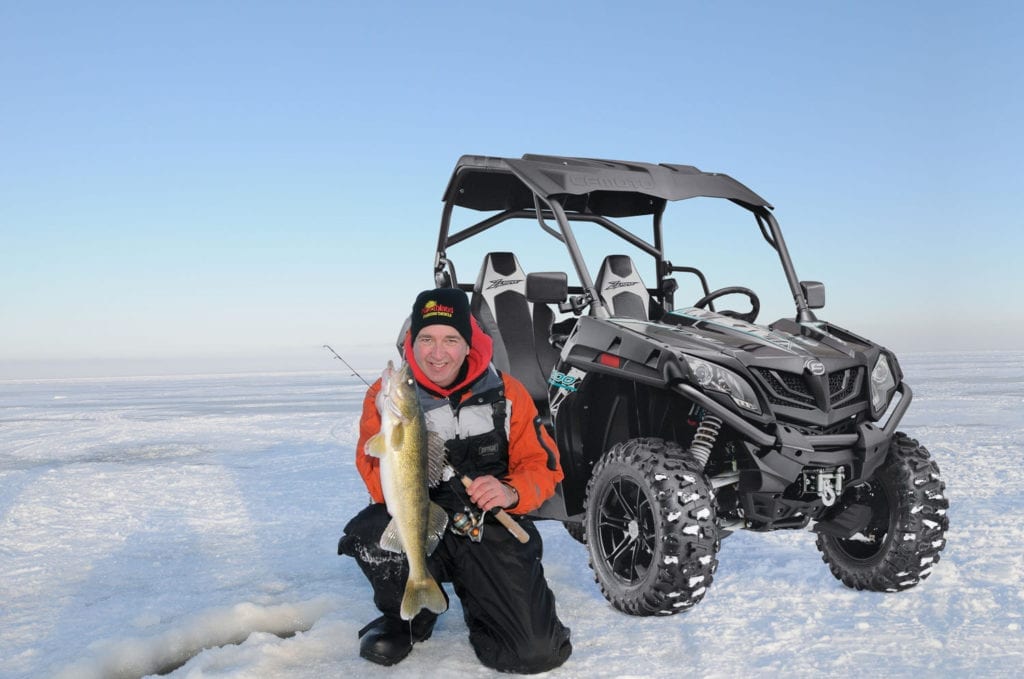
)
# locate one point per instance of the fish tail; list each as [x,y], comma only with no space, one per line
[420,594]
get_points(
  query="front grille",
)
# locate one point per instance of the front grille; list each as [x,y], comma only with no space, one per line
[792,390]
[844,386]
[786,389]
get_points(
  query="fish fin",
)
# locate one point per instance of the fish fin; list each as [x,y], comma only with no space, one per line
[437,458]
[392,407]
[385,386]
[436,523]
[420,594]
[397,437]
[391,539]
[376,446]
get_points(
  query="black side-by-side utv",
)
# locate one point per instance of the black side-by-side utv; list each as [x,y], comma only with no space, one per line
[676,426]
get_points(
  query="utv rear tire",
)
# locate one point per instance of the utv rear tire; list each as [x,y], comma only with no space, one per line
[901,544]
[651,528]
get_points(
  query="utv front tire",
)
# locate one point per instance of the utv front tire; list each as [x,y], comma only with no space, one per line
[901,544]
[651,527]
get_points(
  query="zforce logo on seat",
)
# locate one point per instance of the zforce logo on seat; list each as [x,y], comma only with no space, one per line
[502,282]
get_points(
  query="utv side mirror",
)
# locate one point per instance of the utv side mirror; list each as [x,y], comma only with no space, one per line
[547,287]
[814,293]
[669,286]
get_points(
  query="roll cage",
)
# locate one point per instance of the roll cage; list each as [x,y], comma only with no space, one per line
[564,190]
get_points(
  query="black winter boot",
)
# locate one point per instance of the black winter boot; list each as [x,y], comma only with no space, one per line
[387,640]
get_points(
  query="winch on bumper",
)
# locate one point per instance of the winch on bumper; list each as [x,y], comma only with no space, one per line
[799,476]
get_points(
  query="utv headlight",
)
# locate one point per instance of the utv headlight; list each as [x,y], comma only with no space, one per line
[882,384]
[713,377]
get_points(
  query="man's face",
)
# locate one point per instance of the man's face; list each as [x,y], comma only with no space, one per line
[440,351]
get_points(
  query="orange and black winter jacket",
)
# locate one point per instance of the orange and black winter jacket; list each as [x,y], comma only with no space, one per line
[528,470]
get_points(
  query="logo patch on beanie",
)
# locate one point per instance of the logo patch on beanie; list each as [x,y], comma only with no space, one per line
[434,310]
[444,306]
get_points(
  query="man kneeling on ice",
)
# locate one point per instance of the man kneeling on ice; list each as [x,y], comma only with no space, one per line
[446,443]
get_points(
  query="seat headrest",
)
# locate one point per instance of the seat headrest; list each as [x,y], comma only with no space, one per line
[499,273]
[621,288]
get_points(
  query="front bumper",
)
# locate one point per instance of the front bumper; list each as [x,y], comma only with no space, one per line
[767,488]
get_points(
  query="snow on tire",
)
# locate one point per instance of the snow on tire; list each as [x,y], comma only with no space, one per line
[901,544]
[651,528]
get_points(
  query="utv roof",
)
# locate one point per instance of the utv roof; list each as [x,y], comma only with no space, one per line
[613,188]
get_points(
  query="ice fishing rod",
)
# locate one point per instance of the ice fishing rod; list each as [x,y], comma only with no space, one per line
[354,371]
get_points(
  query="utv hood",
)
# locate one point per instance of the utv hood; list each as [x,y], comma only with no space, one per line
[706,333]
[806,375]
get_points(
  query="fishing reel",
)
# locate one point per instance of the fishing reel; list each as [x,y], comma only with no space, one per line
[468,524]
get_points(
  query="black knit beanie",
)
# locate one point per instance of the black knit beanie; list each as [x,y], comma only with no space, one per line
[444,306]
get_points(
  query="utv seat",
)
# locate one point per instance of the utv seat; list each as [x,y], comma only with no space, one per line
[621,288]
[544,322]
[500,306]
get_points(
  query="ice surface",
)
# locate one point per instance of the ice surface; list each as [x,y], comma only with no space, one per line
[146,522]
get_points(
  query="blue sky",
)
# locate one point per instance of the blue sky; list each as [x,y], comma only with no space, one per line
[204,184]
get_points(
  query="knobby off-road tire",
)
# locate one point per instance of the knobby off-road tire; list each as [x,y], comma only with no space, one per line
[901,544]
[651,528]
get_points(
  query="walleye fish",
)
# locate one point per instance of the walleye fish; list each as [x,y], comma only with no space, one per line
[407,469]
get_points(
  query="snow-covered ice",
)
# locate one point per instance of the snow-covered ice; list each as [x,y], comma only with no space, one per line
[189,524]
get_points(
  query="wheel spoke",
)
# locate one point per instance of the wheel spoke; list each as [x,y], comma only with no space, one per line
[619,549]
[642,508]
[613,522]
[637,565]
[624,503]
[625,524]
[625,514]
